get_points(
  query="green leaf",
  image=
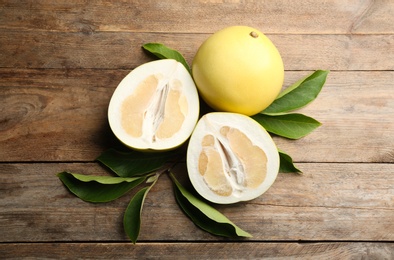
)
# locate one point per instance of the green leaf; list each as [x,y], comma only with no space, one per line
[205,216]
[132,215]
[298,95]
[292,126]
[163,52]
[98,188]
[135,163]
[286,163]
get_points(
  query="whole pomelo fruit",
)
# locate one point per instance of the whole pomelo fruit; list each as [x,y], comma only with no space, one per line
[238,69]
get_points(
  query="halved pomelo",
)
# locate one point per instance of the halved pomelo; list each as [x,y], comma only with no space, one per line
[231,158]
[155,107]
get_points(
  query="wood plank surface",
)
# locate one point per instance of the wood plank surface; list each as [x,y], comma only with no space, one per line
[122,50]
[60,62]
[205,16]
[63,113]
[342,250]
[348,202]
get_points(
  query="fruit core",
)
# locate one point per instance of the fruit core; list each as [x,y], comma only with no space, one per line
[230,163]
[155,110]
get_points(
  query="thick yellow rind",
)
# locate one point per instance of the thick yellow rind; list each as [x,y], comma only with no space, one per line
[236,72]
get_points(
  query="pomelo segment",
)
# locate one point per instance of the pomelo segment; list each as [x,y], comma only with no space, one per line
[155,107]
[231,158]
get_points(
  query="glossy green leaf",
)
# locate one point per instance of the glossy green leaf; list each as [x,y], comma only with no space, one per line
[205,216]
[287,164]
[163,52]
[298,95]
[98,188]
[132,215]
[292,126]
[135,163]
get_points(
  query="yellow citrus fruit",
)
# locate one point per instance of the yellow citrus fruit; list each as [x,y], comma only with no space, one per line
[155,107]
[238,69]
[231,158]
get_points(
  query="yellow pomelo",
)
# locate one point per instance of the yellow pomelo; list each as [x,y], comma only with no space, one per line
[155,107]
[238,69]
[231,158]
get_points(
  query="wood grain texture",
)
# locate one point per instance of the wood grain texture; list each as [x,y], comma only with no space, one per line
[205,16]
[60,62]
[342,250]
[122,50]
[41,109]
[61,115]
[348,202]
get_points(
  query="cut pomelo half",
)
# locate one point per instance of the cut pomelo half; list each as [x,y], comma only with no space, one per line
[231,158]
[155,107]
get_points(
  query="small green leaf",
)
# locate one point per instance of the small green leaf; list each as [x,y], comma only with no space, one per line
[292,126]
[286,163]
[298,95]
[163,52]
[132,215]
[134,163]
[205,216]
[98,188]
[152,179]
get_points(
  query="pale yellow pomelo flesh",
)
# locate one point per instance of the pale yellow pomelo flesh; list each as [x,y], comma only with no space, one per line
[231,158]
[155,107]
[238,69]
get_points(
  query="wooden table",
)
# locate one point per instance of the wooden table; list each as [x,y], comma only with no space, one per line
[60,62]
